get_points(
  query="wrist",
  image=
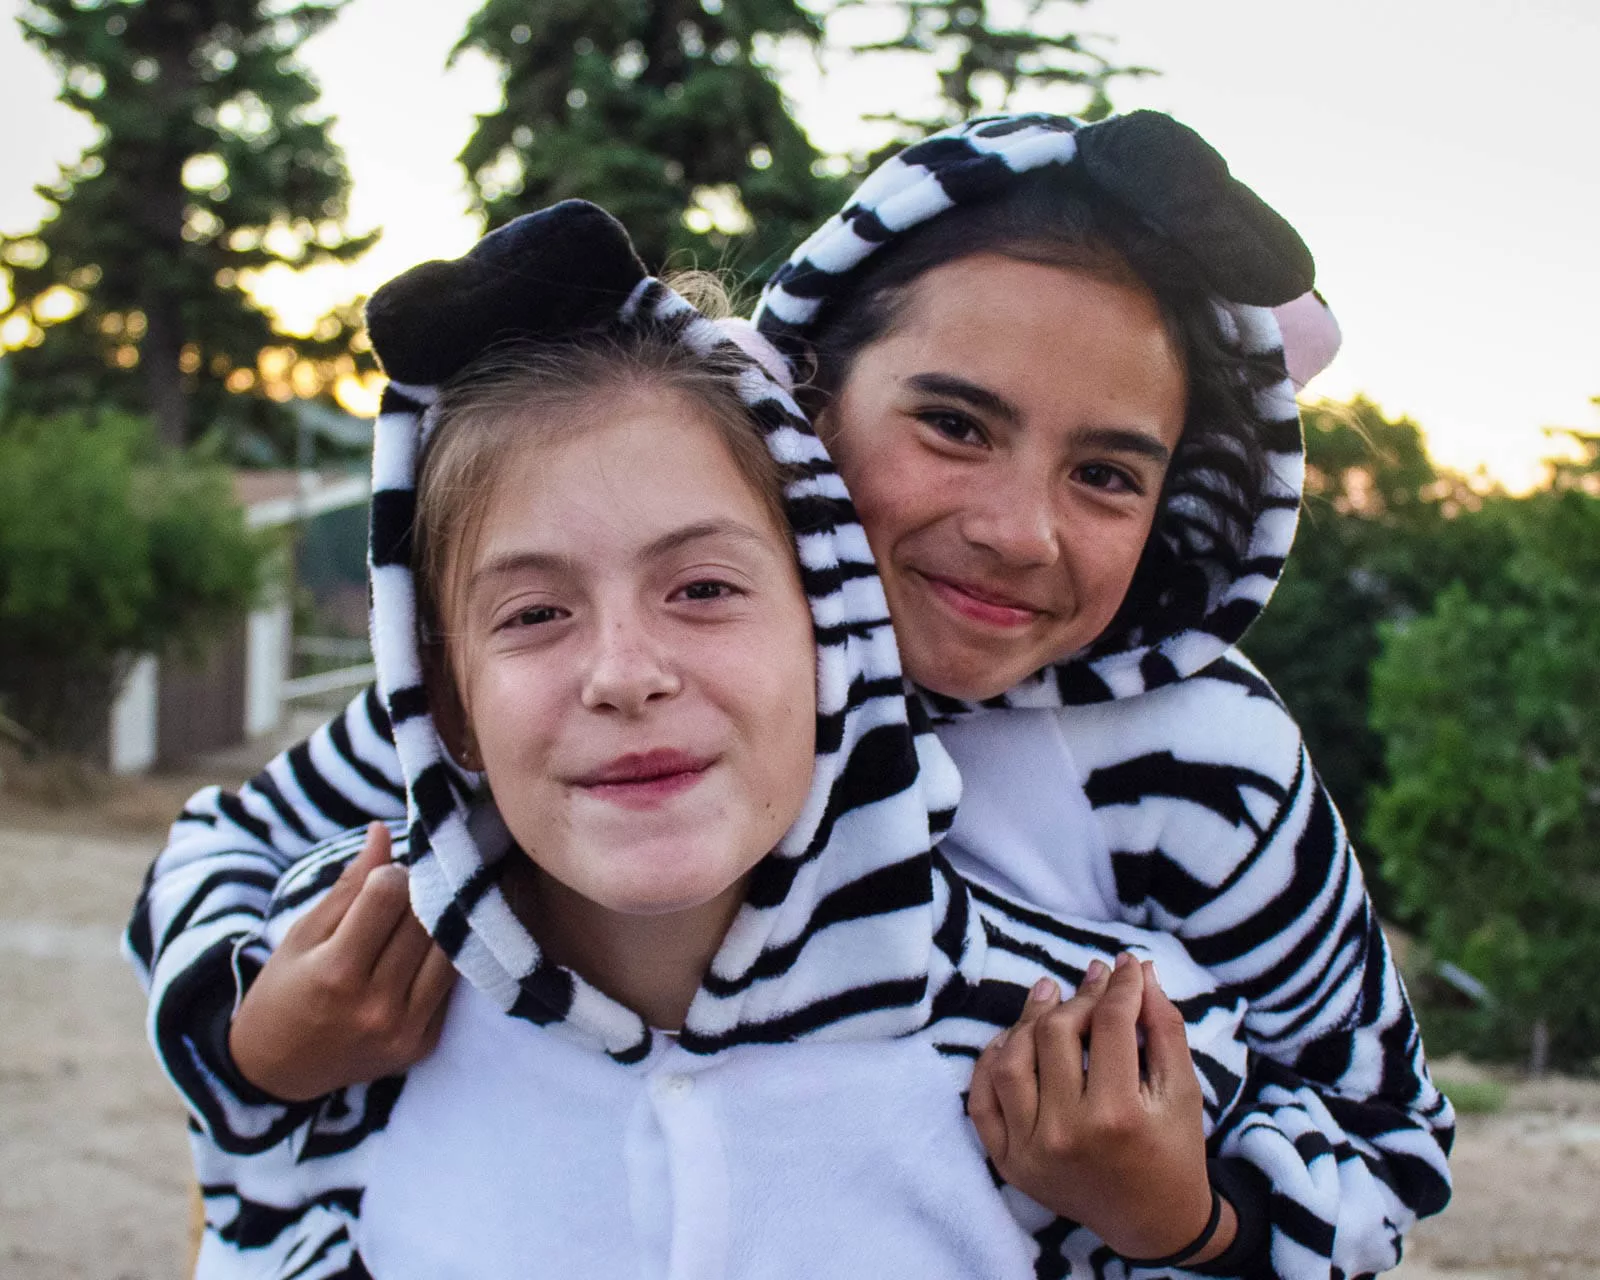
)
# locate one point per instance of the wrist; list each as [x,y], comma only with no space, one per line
[1222,1239]
[1248,1191]
[1211,1240]
[254,1080]
[199,1011]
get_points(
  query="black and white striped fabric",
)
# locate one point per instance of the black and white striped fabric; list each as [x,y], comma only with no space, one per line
[1166,174]
[1176,797]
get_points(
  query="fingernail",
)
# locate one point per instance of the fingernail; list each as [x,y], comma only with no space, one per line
[999,1042]
[1150,974]
[1096,971]
[1044,989]
[1124,960]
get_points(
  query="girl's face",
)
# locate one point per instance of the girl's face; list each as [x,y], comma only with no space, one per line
[1006,444]
[635,661]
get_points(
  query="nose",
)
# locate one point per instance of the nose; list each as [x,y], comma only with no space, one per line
[629,668]
[1012,515]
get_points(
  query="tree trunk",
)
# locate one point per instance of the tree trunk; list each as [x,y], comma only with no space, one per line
[159,354]
[161,205]
[1539,1050]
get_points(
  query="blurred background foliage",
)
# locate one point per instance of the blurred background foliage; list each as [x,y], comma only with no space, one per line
[1488,818]
[663,113]
[1436,639]
[110,545]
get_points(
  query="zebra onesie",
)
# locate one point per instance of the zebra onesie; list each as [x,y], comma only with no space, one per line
[807,1119]
[1156,781]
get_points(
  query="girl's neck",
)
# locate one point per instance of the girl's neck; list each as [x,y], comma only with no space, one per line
[653,964]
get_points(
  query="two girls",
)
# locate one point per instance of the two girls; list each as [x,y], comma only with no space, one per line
[1043,360]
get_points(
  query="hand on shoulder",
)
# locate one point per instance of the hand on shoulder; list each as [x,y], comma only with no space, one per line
[356,990]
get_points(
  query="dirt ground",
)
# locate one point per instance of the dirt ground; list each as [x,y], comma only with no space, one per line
[94,1168]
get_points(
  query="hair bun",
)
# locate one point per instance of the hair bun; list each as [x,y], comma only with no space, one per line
[1172,178]
[548,274]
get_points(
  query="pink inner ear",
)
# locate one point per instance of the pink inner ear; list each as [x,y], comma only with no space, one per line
[1311,337]
[749,340]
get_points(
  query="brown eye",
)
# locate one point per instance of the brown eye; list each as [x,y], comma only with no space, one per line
[1100,475]
[953,425]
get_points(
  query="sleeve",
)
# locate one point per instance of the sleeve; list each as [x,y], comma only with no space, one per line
[1224,836]
[195,935]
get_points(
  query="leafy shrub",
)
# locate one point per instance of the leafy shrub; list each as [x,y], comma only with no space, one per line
[108,547]
[1489,707]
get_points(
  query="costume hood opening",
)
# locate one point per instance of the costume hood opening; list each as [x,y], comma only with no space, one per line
[840,932]
[1198,595]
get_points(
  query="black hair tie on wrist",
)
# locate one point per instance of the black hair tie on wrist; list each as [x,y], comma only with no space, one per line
[1207,1233]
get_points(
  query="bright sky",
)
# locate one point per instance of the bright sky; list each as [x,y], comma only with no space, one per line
[1442,160]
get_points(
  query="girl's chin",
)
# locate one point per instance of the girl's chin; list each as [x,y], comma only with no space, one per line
[966,682]
[658,883]
[660,901]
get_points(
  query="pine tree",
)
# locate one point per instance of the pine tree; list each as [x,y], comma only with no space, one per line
[985,51]
[666,113]
[212,161]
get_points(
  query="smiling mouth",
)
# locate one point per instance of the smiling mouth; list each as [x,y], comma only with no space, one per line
[645,779]
[977,605]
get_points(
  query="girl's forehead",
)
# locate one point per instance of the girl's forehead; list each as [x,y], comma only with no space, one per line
[983,291]
[1025,328]
[649,468]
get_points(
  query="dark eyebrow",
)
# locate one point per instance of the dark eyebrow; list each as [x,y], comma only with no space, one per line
[947,384]
[1117,439]
[547,562]
[1125,440]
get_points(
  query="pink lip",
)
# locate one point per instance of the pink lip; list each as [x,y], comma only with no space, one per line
[978,605]
[643,779]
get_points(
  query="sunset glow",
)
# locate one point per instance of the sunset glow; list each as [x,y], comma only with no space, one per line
[1455,241]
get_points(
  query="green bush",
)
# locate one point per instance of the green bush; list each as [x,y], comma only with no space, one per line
[1489,708]
[108,547]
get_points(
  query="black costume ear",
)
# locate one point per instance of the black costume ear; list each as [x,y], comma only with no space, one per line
[1170,177]
[564,269]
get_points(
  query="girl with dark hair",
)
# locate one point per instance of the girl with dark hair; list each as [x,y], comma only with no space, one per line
[1045,358]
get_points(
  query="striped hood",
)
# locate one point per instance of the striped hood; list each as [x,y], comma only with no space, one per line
[1203,595]
[840,935]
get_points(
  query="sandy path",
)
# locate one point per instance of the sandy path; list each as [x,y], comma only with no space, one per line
[1527,1197]
[93,1162]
